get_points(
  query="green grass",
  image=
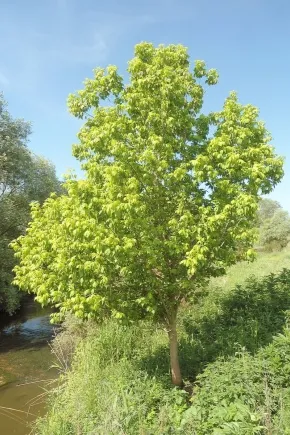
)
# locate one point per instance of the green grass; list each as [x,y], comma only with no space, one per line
[265,264]
[119,381]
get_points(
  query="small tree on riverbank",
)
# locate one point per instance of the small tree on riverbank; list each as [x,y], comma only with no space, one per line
[170,197]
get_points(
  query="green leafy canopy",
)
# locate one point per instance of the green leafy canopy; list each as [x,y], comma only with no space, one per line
[170,195]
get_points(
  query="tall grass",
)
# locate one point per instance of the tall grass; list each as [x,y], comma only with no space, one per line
[266,263]
[107,392]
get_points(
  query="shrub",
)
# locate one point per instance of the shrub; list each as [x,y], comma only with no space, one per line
[244,394]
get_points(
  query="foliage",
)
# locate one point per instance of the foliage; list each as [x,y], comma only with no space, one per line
[266,210]
[274,225]
[275,232]
[24,177]
[169,200]
[244,394]
[226,398]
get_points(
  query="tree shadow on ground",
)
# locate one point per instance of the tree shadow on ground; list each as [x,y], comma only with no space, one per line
[247,317]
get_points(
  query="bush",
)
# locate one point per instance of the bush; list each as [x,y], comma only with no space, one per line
[245,394]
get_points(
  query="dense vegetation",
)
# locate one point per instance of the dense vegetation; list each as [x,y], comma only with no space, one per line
[169,200]
[235,356]
[24,177]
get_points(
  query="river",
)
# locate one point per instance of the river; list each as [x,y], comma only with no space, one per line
[25,367]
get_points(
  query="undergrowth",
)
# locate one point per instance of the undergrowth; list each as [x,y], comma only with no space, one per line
[235,356]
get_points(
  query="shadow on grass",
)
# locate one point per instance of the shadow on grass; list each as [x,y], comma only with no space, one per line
[247,317]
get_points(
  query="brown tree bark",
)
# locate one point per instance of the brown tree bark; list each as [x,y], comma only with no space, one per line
[173,347]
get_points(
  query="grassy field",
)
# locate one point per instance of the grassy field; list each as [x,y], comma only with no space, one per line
[235,358]
[265,264]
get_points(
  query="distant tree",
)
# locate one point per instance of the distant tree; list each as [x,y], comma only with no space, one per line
[266,210]
[275,231]
[24,177]
[274,225]
[170,196]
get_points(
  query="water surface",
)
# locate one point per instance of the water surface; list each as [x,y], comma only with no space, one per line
[25,367]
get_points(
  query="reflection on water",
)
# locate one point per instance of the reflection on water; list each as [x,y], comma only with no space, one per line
[32,331]
[30,328]
[25,359]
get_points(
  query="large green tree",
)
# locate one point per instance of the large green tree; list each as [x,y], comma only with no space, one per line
[24,177]
[170,196]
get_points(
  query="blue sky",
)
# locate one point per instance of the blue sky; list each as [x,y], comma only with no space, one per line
[48,48]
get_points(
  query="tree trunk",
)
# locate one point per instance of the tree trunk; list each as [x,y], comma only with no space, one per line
[173,346]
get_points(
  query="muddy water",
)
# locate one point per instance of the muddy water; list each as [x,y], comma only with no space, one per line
[25,367]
